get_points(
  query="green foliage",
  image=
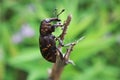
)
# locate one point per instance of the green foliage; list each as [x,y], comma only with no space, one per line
[97,57]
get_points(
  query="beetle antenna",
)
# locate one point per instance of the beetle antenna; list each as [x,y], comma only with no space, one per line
[60,12]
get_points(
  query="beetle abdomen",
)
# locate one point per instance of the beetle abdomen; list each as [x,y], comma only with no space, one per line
[48,47]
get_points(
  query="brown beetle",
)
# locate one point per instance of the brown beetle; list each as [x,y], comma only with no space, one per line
[47,41]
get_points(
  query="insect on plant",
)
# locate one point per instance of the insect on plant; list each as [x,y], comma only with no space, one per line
[47,41]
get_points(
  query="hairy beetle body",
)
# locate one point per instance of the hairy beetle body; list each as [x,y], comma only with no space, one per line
[47,40]
[48,47]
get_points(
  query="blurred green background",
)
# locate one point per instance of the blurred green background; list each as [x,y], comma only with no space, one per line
[97,57]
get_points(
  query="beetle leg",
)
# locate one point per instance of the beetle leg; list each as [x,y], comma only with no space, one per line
[58,25]
[60,41]
[48,20]
[61,56]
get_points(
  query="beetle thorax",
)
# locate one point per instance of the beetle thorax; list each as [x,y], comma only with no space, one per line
[46,28]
